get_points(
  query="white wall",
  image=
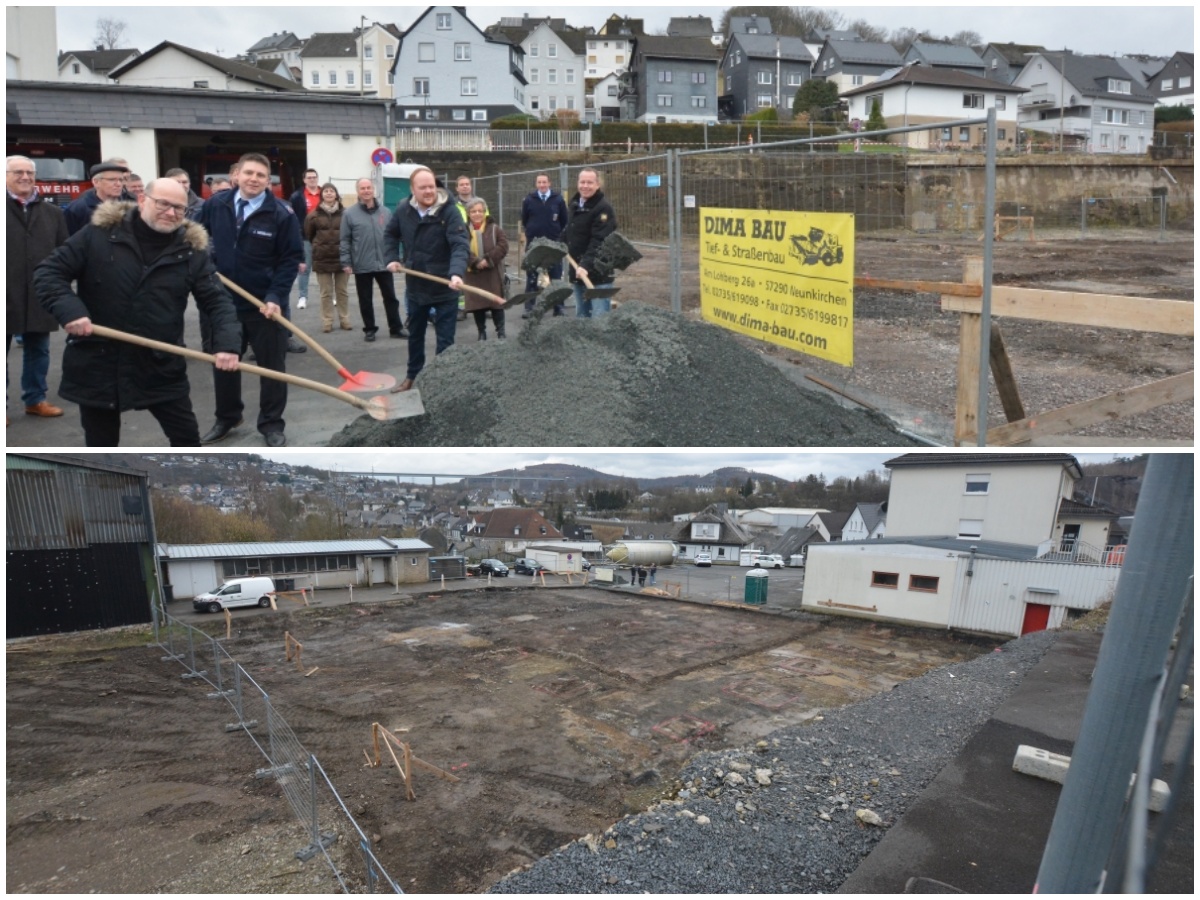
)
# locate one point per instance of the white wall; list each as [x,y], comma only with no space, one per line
[137,147]
[842,575]
[169,68]
[31,43]
[342,162]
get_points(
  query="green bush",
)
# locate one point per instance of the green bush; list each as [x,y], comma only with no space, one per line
[763,115]
[1179,116]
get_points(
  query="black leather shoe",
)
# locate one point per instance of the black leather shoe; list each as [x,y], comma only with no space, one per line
[219,432]
[369,336]
[275,439]
[398,334]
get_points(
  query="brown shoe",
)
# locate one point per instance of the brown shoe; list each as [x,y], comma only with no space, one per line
[405,385]
[43,409]
[346,326]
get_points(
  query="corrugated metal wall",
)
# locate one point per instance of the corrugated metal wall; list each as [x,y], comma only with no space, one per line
[72,508]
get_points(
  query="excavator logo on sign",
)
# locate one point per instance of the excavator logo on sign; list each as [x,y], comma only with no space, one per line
[817,247]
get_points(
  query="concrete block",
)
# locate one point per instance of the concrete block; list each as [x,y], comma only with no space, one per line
[1053,767]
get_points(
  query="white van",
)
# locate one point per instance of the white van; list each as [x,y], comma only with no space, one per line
[242,592]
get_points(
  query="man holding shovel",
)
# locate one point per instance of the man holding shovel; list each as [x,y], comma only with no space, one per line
[134,267]
[433,237]
[592,220]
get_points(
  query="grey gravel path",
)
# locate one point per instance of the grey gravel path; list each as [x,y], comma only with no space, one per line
[799,810]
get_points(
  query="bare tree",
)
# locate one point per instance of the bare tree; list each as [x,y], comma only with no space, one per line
[902,38]
[966,39]
[809,18]
[868,32]
[110,33]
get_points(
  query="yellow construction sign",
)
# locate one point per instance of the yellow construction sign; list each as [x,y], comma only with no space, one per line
[782,277]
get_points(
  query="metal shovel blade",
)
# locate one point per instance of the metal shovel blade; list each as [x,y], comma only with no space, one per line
[521,299]
[366,382]
[395,406]
[543,253]
[599,293]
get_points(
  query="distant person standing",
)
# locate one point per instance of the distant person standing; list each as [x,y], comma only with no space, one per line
[193,201]
[108,183]
[653,573]
[256,245]
[464,193]
[428,230]
[219,183]
[364,255]
[134,186]
[485,267]
[34,228]
[592,220]
[323,229]
[543,215]
[304,201]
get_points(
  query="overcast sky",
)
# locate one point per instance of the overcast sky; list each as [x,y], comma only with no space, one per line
[228,29]
[638,464]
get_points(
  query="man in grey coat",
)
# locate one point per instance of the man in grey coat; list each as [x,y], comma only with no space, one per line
[34,228]
[364,255]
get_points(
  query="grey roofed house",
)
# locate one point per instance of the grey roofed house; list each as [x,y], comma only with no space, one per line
[834,522]
[662,47]
[952,56]
[918,73]
[241,71]
[750,25]
[1180,66]
[1090,76]
[102,62]
[793,541]
[690,26]
[872,514]
[331,44]
[1143,68]
[962,459]
[1002,62]
[759,46]
[869,53]
[279,42]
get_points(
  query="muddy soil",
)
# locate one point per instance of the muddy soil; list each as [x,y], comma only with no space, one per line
[906,348]
[121,777]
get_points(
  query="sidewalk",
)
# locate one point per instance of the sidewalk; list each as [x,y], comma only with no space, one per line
[980,827]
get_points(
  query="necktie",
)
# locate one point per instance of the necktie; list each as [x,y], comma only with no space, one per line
[241,211]
[544,197]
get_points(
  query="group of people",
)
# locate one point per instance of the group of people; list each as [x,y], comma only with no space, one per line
[638,574]
[127,257]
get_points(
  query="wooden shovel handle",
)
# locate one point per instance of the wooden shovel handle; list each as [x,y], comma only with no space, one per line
[587,282]
[282,320]
[113,334]
[488,295]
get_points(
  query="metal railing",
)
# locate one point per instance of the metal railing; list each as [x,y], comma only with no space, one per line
[1083,553]
[1123,212]
[299,774]
[421,138]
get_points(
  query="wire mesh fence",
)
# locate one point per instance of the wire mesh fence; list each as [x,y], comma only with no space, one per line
[313,798]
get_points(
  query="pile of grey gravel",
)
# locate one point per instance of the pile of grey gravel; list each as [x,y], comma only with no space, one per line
[798,811]
[639,377]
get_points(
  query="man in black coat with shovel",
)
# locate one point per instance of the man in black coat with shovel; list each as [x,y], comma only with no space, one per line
[134,266]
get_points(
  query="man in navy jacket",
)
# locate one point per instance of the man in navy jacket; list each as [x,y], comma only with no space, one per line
[543,215]
[256,245]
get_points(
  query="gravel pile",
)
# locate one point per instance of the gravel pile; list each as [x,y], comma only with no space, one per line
[639,377]
[798,811]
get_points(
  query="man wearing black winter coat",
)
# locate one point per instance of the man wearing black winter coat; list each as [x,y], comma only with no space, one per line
[134,267]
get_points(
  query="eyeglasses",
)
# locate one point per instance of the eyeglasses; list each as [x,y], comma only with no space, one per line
[163,206]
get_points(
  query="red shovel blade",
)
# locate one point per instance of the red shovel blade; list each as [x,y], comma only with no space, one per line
[366,382]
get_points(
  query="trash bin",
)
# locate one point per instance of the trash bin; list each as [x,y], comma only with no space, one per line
[285,584]
[756,587]
[168,593]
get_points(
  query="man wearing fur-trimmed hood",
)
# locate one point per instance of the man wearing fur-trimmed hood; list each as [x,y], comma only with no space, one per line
[134,266]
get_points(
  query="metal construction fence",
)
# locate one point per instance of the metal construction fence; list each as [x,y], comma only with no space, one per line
[315,801]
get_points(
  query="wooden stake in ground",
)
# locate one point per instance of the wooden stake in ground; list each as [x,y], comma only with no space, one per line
[288,643]
[228,624]
[404,768]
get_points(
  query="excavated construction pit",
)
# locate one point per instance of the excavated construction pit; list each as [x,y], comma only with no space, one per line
[638,377]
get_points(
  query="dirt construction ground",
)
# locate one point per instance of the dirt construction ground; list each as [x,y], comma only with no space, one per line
[560,709]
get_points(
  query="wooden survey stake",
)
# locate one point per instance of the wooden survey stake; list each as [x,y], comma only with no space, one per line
[405,768]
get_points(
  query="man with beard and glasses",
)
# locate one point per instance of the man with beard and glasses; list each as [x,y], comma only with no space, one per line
[133,267]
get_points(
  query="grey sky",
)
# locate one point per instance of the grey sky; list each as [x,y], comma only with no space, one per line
[638,464]
[229,29]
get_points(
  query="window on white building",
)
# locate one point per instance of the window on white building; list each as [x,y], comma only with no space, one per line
[368,51]
[535,103]
[1118,86]
[391,78]
[368,78]
[533,76]
[350,77]
[1116,116]
[552,76]
[699,102]
[389,51]
[470,87]
[856,80]
[970,529]
[421,87]
[426,53]
[923,583]
[75,68]
[570,76]
[612,90]
[978,484]
[972,101]
[570,103]
[665,76]
[552,50]
[591,46]
[699,77]
[1104,140]
[1001,102]
[462,52]
[1122,142]
[333,79]
[444,21]
[591,60]
[315,79]
[479,115]
[533,49]
[665,100]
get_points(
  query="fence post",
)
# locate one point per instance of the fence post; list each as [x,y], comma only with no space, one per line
[673,200]
[312,790]
[1083,216]
[650,136]
[989,237]
[1162,217]
[706,134]
[500,199]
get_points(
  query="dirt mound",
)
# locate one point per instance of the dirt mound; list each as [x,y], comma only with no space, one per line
[639,377]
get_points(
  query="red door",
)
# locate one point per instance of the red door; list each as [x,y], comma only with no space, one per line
[1037,617]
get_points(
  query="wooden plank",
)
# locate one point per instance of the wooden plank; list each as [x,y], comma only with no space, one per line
[1076,308]
[949,288]
[1117,405]
[970,344]
[1006,383]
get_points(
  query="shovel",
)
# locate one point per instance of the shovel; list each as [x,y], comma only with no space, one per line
[381,409]
[617,253]
[479,292]
[545,254]
[362,382]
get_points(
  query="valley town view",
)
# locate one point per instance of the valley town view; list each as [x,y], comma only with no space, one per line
[575,450]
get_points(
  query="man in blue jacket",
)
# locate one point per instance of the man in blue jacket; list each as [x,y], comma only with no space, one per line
[543,215]
[256,245]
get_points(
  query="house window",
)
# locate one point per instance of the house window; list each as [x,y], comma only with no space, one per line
[1168,84]
[479,115]
[570,76]
[425,53]
[333,79]
[856,80]
[412,114]
[1104,140]
[591,46]
[421,87]
[552,76]
[978,484]
[612,90]
[795,79]
[1122,142]
[1185,81]
[533,49]
[368,78]
[350,77]
[664,100]
[570,103]
[970,529]
[923,583]
[443,21]
[552,50]
[1001,102]
[870,103]
[391,78]
[765,100]
[1118,86]
[199,84]
[995,63]
[533,76]
[964,135]
[699,102]
[459,115]
[316,79]
[885,579]
[368,51]
[764,77]
[1116,116]
[462,52]
[389,51]
[699,77]
[75,68]
[535,103]
[972,101]
[592,60]
[552,104]
[665,76]
[946,135]
[1001,134]
[620,59]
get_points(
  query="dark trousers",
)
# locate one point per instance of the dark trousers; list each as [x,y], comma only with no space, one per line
[364,286]
[102,427]
[481,317]
[445,323]
[269,341]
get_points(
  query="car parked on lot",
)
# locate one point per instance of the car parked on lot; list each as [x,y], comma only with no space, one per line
[253,591]
[703,559]
[527,566]
[493,566]
[769,561]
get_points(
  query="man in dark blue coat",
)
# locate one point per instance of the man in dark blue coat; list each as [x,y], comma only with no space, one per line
[108,183]
[432,234]
[543,215]
[256,245]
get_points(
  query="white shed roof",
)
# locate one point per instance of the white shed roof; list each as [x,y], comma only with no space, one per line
[366,546]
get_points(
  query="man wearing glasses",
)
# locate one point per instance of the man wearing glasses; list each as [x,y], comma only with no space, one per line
[133,268]
[108,183]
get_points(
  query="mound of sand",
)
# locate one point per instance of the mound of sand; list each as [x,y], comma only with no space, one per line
[639,377]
